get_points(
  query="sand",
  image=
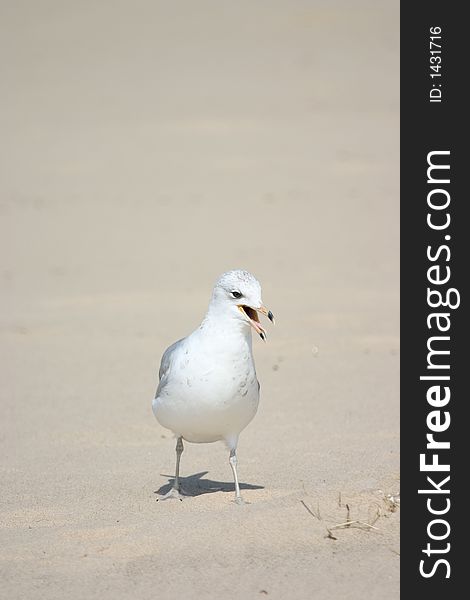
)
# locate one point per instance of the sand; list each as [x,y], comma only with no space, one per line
[147,147]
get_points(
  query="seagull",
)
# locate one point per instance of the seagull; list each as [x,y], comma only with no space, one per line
[208,389]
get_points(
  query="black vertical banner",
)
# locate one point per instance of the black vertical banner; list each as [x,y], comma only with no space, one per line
[434,298]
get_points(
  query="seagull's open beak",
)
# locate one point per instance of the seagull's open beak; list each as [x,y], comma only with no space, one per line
[252,314]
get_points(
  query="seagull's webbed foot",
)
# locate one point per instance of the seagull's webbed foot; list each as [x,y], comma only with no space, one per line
[174,494]
[239,500]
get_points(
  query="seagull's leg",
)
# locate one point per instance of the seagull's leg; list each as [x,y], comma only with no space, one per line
[233,464]
[179,452]
[175,491]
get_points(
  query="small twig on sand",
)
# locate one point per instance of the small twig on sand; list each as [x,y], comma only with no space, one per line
[349,523]
[309,510]
[376,516]
[330,535]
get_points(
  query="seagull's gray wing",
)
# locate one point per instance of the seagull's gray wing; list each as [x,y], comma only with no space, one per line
[165,365]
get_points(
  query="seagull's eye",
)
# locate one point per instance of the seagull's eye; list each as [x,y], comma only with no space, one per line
[236,294]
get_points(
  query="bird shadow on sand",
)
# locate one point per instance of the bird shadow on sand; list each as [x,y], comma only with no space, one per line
[196,485]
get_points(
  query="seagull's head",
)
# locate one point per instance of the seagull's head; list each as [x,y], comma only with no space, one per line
[238,293]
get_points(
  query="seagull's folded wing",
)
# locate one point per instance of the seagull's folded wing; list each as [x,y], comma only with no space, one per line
[165,365]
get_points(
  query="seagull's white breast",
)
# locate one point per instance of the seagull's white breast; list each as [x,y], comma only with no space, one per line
[209,390]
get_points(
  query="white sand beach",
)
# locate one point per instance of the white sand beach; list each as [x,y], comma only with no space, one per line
[146,148]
